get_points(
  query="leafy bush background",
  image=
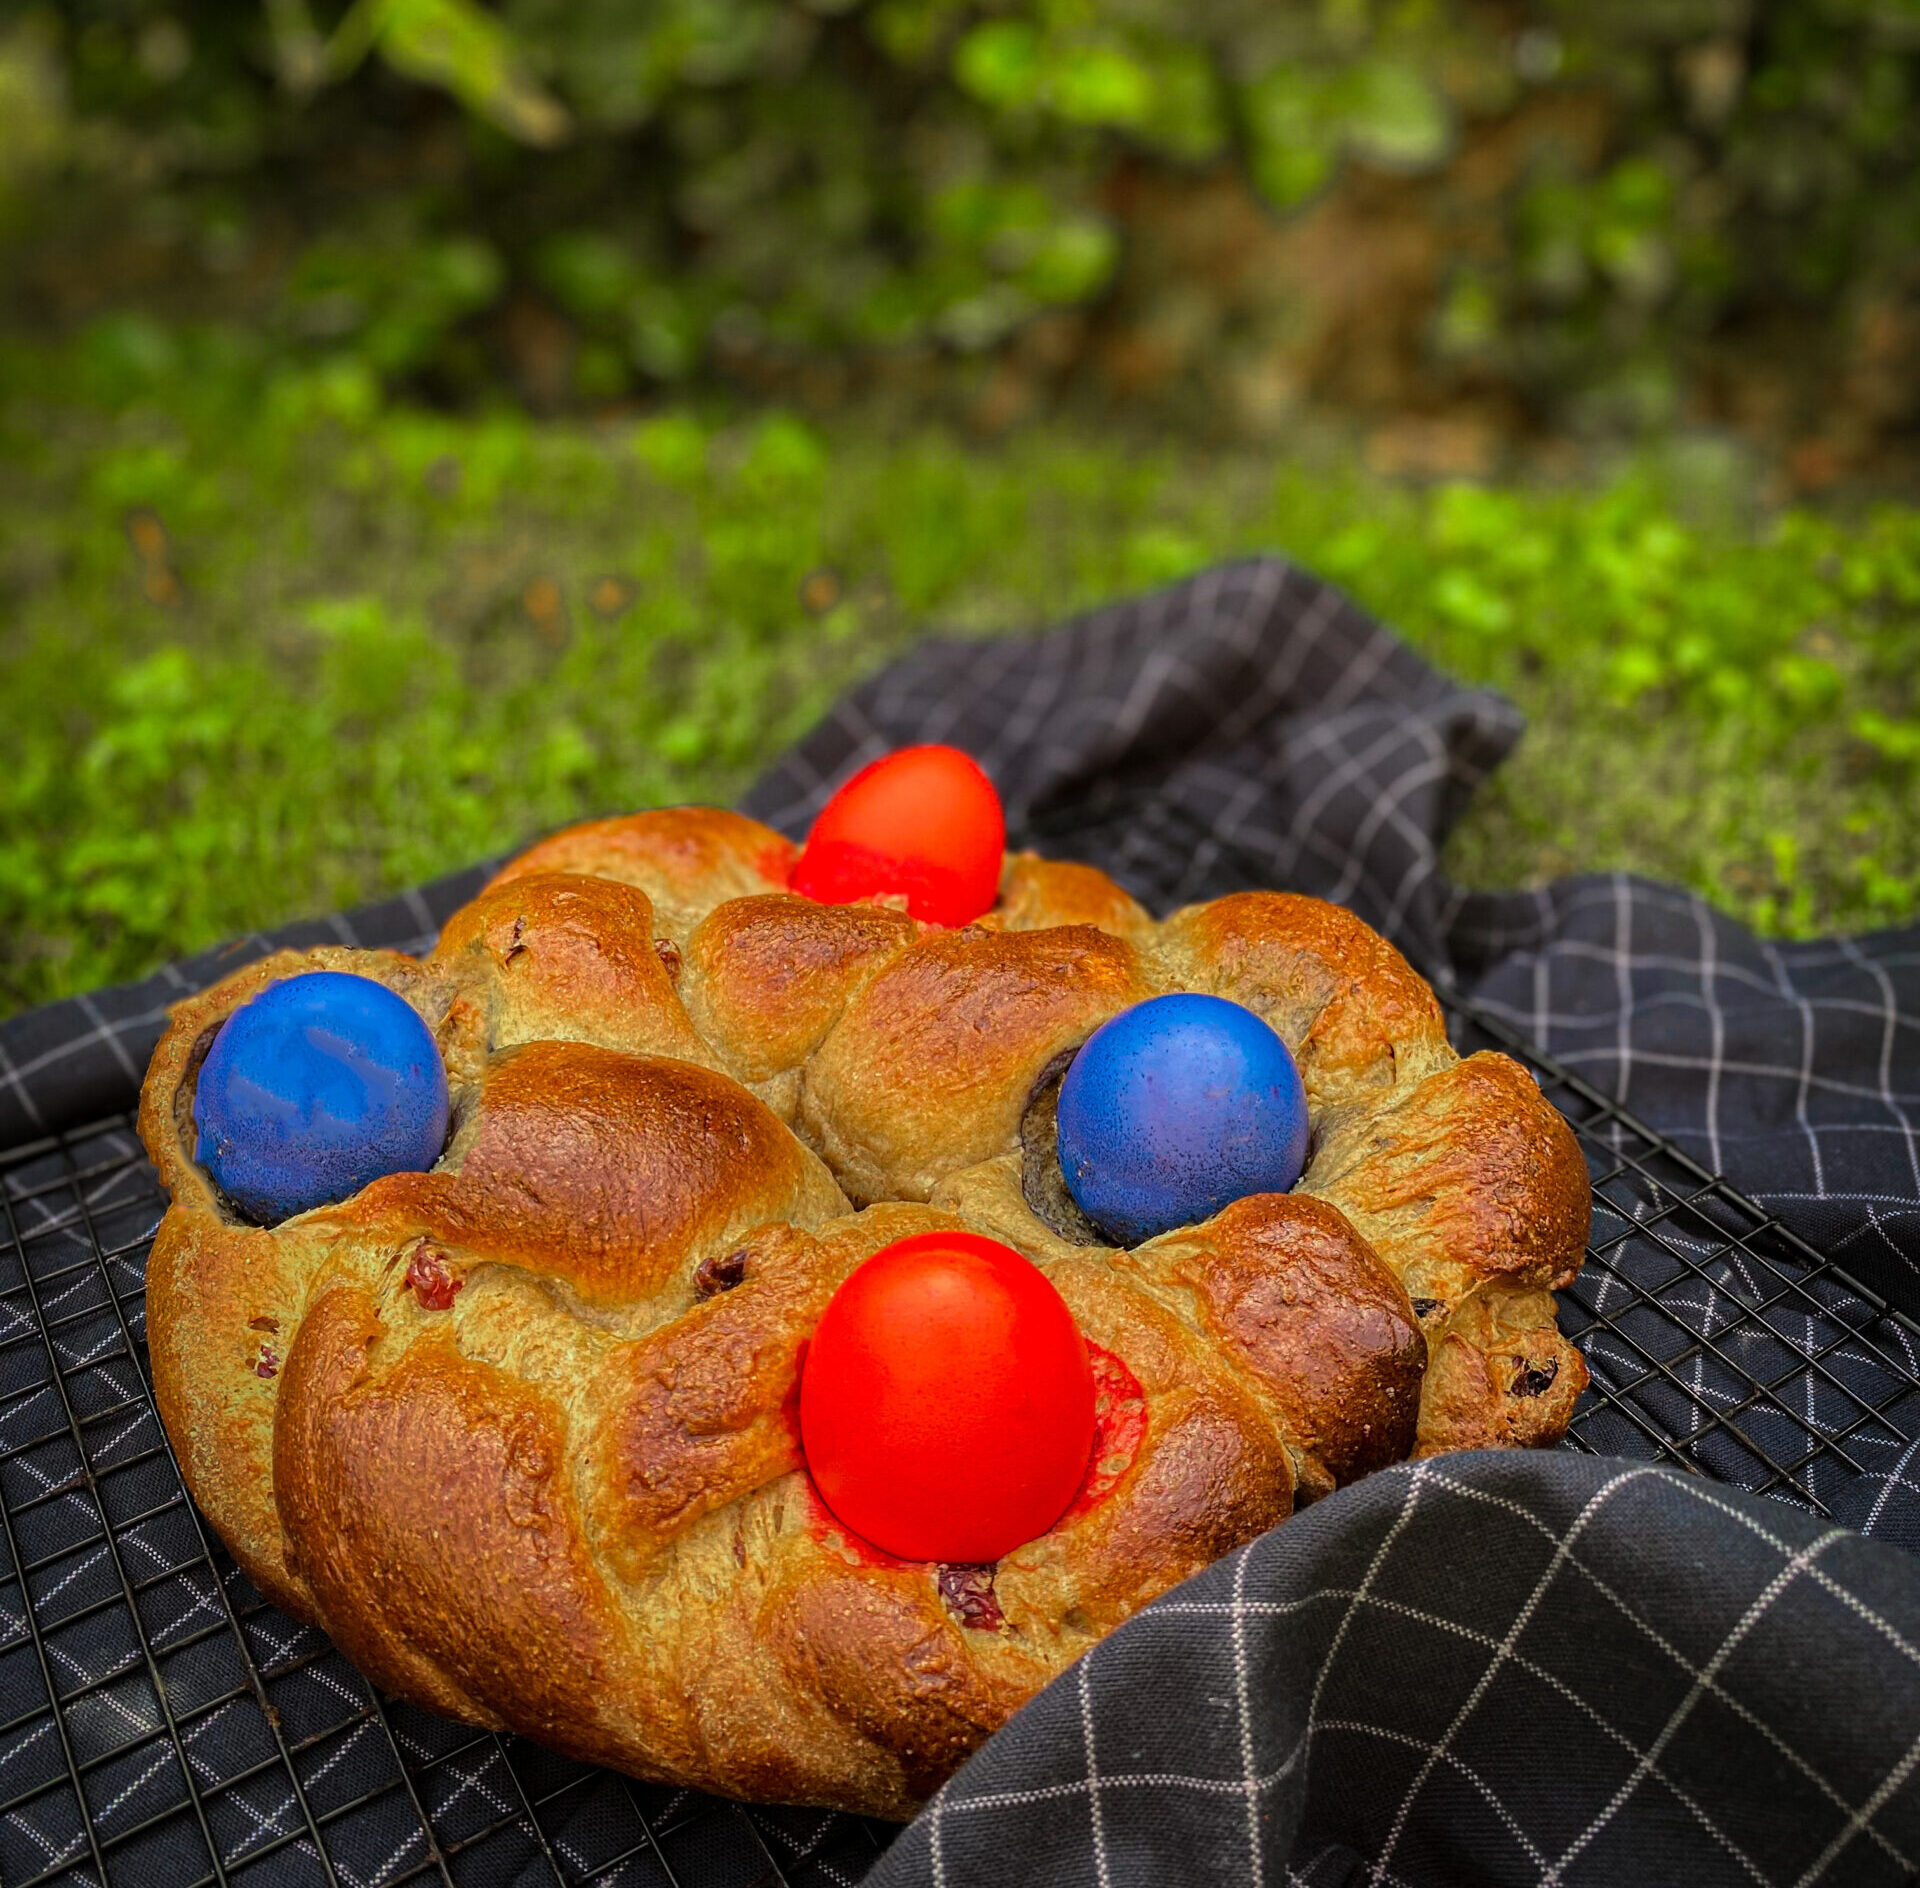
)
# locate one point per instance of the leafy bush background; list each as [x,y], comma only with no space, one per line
[1629,189]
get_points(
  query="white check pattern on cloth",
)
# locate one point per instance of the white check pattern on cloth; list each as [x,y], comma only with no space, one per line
[1478,1669]
[1248,728]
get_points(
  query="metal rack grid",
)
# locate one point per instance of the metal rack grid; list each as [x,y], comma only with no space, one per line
[1720,1341]
[161,1723]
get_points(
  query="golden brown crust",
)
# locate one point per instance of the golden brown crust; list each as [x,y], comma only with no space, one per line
[929,1068]
[567,958]
[1501,1376]
[613,1172]
[1323,1327]
[1353,1010]
[1039,894]
[527,1446]
[223,1306]
[1473,1174]
[687,859]
[766,978]
[430,1510]
[704,1411]
[1187,1467]
[874,1645]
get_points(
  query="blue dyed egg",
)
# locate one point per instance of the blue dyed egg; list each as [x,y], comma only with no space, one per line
[312,1089]
[1176,1108]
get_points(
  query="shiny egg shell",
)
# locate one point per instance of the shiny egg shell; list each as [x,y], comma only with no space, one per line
[1176,1108]
[314,1088]
[922,824]
[947,1402]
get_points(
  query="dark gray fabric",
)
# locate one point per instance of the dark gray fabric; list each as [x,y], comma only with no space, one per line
[1475,1670]
[1752,1668]
[1794,1069]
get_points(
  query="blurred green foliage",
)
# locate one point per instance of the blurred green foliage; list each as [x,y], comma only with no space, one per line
[272,641]
[294,610]
[690,180]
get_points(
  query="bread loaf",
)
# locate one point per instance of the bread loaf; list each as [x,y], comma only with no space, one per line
[520,1433]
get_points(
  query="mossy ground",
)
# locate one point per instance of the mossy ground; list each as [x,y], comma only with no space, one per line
[270,644]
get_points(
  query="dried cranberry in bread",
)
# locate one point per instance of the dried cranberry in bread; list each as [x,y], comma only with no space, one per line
[520,1433]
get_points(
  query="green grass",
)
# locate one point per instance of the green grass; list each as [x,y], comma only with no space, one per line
[269,645]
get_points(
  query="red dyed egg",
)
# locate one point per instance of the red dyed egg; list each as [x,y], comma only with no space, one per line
[922,821]
[946,1404]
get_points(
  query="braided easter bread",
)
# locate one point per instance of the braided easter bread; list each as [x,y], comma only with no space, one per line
[520,1432]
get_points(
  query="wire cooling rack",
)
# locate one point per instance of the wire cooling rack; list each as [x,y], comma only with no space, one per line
[1719,1340]
[161,1724]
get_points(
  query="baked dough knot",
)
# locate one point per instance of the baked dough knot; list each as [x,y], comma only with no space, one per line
[521,1433]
